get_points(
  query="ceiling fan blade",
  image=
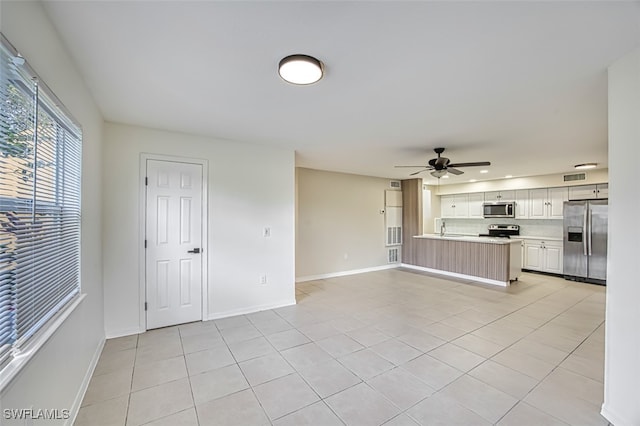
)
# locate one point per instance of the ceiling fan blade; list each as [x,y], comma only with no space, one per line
[415,173]
[454,171]
[477,163]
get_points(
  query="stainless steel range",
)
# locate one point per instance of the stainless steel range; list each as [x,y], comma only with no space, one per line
[502,231]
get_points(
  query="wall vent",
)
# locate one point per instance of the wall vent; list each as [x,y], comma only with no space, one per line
[395,184]
[394,235]
[394,255]
[575,176]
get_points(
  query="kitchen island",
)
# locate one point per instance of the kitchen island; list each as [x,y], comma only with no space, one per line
[489,260]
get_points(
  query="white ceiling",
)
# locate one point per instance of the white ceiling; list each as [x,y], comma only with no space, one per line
[520,84]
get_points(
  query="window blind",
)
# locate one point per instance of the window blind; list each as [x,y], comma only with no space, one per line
[40,165]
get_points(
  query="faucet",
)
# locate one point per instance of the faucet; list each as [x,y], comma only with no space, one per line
[443,228]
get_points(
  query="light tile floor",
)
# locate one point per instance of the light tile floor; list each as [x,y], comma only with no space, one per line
[393,347]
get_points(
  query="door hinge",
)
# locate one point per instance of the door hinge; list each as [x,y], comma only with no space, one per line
[145,306]
[145,243]
[146,180]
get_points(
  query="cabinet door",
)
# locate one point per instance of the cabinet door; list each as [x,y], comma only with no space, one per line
[533,256]
[553,258]
[475,205]
[522,204]
[602,191]
[500,196]
[492,196]
[507,195]
[462,205]
[557,197]
[582,192]
[447,206]
[538,203]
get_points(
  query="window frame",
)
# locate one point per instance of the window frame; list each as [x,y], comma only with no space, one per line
[24,344]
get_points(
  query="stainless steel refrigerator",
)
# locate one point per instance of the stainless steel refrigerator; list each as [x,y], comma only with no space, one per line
[585,240]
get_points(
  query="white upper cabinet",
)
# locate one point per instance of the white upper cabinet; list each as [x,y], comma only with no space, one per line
[500,196]
[538,203]
[557,197]
[454,205]
[542,203]
[522,204]
[475,205]
[588,192]
[547,203]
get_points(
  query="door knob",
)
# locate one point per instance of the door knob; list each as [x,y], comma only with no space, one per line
[195,250]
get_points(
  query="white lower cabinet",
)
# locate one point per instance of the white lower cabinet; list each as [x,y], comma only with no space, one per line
[543,255]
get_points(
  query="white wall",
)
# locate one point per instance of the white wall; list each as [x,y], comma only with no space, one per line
[250,187]
[622,342]
[339,224]
[430,208]
[55,377]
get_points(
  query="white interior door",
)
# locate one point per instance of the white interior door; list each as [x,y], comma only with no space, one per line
[174,243]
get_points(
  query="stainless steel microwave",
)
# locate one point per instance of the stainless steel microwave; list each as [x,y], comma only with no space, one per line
[499,209]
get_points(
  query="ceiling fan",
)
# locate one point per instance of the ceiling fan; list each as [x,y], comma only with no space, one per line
[442,165]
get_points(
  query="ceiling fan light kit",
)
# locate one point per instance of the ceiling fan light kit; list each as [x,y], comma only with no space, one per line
[300,69]
[440,166]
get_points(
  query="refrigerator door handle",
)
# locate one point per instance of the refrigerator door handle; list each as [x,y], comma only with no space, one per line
[584,232]
[589,231]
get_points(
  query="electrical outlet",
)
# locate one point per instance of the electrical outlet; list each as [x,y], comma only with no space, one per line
[263,279]
[266,232]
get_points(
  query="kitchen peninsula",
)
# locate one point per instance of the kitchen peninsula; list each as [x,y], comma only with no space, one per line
[489,260]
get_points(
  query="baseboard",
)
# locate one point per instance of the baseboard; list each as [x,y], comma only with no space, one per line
[122,333]
[75,408]
[345,273]
[456,275]
[249,310]
[550,274]
[612,418]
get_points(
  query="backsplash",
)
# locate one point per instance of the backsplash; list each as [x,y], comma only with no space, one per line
[550,228]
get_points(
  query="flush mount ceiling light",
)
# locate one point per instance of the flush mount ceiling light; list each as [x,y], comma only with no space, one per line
[484,171]
[585,166]
[300,69]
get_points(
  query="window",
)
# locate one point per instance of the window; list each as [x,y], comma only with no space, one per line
[40,158]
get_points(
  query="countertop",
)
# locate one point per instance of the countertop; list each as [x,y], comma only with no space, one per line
[525,237]
[474,237]
[469,238]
